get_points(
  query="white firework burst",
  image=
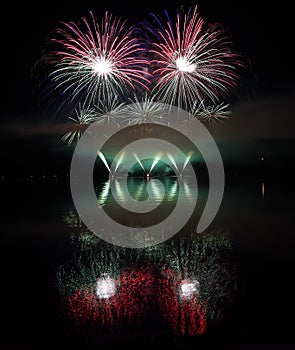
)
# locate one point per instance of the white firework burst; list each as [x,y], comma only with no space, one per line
[146,111]
[79,123]
[211,113]
[110,111]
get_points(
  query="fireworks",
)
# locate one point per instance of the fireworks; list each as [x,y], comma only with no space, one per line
[95,59]
[193,61]
[110,111]
[178,61]
[211,113]
[83,118]
[145,111]
[97,65]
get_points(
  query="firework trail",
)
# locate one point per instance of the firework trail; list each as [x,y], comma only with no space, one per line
[192,60]
[94,58]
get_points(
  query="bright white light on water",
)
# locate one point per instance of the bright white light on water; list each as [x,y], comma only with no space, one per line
[184,65]
[105,287]
[188,288]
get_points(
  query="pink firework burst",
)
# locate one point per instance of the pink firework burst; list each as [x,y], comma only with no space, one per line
[96,58]
[193,61]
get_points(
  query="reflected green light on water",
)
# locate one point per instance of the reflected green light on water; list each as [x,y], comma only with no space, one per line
[138,190]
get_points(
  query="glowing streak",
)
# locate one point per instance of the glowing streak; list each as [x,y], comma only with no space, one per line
[155,162]
[153,165]
[102,157]
[173,161]
[119,161]
[139,161]
[187,160]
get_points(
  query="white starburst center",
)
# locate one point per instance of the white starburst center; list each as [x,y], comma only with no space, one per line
[102,65]
[184,65]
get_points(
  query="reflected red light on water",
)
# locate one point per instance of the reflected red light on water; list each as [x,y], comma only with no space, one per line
[139,293]
[185,316]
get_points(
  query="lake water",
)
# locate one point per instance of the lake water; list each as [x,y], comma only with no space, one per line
[230,286]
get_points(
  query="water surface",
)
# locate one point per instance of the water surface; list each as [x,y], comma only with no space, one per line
[253,305]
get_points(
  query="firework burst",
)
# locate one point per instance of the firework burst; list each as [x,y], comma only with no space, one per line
[193,60]
[211,114]
[145,110]
[83,118]
[110,111]
[96,58]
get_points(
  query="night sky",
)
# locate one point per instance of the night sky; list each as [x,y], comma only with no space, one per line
[262,110]
[261,31]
